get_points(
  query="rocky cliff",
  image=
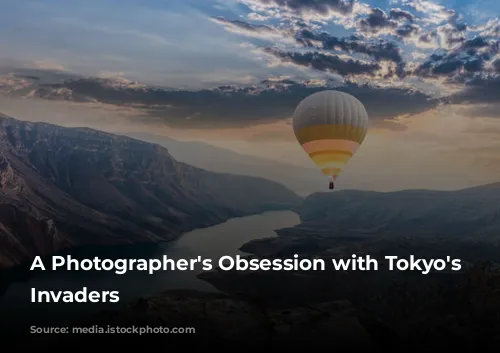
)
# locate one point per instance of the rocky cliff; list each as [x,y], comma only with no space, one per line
[63,187]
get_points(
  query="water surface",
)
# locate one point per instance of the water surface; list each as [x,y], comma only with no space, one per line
[213,242]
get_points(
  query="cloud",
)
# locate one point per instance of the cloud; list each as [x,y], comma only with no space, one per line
[235,74]
[401,15]
[482,89]
[324,62]
[377,21]
[488,110]
[421,42]
[48,65]
[496,65]
[426,150]
[428,40]
[322,8]
[378,50]
[408,30]
[431,12]
[332,54]
[253,30]
[171,43]
[308,45]
[273,99]
[463,62]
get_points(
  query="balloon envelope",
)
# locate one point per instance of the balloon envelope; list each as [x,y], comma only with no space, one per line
[330,126]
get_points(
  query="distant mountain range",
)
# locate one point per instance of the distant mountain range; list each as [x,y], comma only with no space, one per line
[203,155]
[63,187]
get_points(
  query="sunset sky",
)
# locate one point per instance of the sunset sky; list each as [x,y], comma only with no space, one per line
[230,72]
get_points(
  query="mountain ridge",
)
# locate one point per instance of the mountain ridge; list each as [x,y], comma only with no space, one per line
[463,223]
[77,186]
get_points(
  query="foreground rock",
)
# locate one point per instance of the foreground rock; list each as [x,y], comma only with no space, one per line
[396,309]
[218,319]
[64,187]
[454,314]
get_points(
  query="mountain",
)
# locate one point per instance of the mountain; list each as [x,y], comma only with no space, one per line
[418,212]
[203,155]
[63,187]
[463,223]
[443,306]
[380,308]
[374,309]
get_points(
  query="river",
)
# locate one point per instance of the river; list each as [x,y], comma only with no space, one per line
[17,310]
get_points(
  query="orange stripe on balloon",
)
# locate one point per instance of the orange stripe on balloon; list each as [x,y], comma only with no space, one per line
[332,144]
[336,165]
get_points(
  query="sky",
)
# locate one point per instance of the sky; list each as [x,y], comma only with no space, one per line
[230,72]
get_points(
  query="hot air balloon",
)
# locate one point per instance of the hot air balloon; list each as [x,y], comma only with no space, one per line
[330,126]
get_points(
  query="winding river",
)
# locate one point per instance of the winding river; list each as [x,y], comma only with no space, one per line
[223,239]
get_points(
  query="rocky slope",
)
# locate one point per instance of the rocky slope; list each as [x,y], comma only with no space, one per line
[63,187]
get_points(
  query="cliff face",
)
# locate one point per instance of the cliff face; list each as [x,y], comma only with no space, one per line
[62,187]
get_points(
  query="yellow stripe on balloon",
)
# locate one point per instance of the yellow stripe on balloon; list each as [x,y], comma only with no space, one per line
[330,144]
[331,164]
[331,152]
[330,132]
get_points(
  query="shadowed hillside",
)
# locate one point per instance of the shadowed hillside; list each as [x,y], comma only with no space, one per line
[397,308]
[439,222]
[63,187]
